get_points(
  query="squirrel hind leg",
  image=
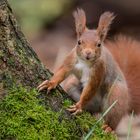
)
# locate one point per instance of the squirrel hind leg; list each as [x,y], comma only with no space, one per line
[119,93]
[107,129]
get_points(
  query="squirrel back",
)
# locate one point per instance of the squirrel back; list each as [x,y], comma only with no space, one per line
[126,52]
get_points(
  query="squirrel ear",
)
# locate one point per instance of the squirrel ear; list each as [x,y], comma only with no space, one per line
[104,24]
[80,21]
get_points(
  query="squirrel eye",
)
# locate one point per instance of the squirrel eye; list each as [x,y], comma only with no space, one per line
[99,45]
[79,42]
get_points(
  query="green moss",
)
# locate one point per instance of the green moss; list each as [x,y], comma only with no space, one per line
[67,103]
[24,117]
[11,61]
[1,54]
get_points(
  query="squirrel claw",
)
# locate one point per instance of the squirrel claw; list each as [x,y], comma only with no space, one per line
[46,85]
[42,85]
[71,109]
[78,111]
[72,106]
[41,88]
[75,109]
[107,129]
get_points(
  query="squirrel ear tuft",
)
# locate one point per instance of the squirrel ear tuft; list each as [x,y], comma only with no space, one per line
[104,24]
[80,21]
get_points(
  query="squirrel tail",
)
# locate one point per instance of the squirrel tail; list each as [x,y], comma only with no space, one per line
[126,52]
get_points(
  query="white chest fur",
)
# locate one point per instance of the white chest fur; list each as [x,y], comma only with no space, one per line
[82,71]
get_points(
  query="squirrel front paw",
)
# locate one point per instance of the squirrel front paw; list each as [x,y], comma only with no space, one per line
[75,109]
[47,85]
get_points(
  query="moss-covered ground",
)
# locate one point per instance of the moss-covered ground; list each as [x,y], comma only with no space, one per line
[24,117]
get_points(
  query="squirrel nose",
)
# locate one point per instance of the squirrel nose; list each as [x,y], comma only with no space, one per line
[88,55]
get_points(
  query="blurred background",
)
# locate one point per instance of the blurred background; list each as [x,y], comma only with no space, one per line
[49,27]
[49,24]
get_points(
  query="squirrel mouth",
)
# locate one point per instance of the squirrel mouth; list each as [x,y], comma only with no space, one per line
[87,58]
[90,58]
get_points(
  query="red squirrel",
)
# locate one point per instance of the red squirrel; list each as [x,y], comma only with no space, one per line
[99,71]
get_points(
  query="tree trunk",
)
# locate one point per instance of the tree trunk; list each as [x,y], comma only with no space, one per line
[22,114]
[18,62]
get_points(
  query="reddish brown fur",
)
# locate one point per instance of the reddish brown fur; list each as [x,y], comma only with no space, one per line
[94,83]
[80,21]
[114,116]
[96,69]
[126,52]
[104,24]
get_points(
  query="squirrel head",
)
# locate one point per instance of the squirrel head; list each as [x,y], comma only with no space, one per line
[89,41]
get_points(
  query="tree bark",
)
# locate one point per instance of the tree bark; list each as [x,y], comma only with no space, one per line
[19,64]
